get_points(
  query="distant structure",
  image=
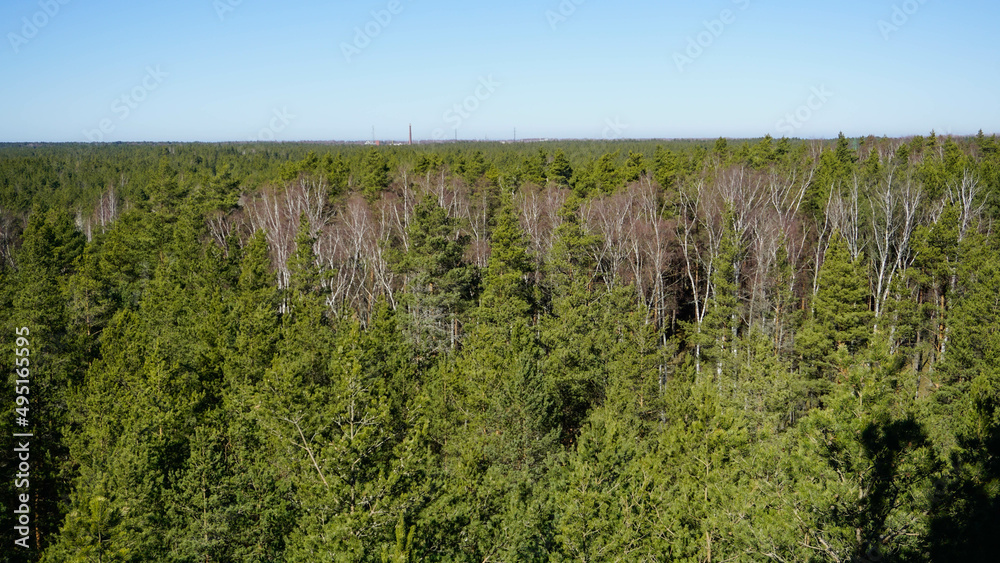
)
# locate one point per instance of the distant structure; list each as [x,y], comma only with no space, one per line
[411,133]
[373,141]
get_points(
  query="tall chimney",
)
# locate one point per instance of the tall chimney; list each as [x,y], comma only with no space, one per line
[411,133]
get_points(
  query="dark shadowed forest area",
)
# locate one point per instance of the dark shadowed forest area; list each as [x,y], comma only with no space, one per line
[692,351]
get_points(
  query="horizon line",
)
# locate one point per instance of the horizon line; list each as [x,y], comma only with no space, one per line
[404,142]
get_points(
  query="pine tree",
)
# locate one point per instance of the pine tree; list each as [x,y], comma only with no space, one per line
[665,168]
[559,171]
[721,148]
[506,295]
[440,284]
[763,153]
[633,169]
[840,323]
[720,329]
[335,438]
[374,173]
[51,355]
[338,174]
[843,153]
[533,169]
[870,433]
[259,507]
[500,411]
[304,275]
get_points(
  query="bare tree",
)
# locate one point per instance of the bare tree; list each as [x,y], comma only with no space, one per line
[11,226]
[221,226]
[529,202]
[699,231]
[965,196]
[824,233]
[611,217]
[743,194]
[652,241]
[845,216]
[276,211]
[473,210]
[352,251]
[894,206]
[107,208]
[539,215]
[396,211]
[782,228]
[765,245]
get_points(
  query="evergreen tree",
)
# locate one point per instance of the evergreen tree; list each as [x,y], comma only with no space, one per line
[720,328]
[374,173]
[353,479]
[721,148]
[844,154]
[338,174]
[49,357]
[967,501]
[762,153]
[440,285]
[840,322]
[559,171]
[506,294]
[634,168]
[534,168]
[665,168]
[602,176]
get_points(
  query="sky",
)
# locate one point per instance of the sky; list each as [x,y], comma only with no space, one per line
[241,70]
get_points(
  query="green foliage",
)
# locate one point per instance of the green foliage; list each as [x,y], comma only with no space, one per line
[304,275]
[762,154]
[54,356]
[506,294]
[533,169]
[458,368]
[559,171]
[374,173]
[840,323]
[720,328]
[634,168]
[440,285]
[721,147]
[665,168]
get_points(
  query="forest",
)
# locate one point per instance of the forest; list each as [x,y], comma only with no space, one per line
[778,350]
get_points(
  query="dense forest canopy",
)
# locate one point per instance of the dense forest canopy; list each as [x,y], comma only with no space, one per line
[728,350]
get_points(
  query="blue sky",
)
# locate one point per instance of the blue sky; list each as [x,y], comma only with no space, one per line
[219,70]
